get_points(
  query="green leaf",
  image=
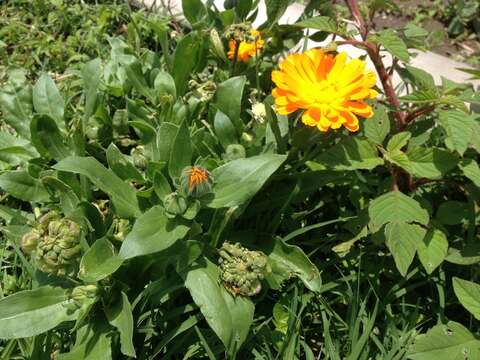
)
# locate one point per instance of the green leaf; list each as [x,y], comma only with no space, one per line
[239,180]
[15,150]
[24,187]
[16,102]
[99,261]
[48,101]
[137,79]
[378,127]
[152,232]
[289,261]
[122,166]
[393,43]
[161,185]
[430,163]
[120,316]
[422,96]
[468,293]
[395,206]
[91,76]
[398,141]
[47,137]
[165,85]
[469,255]
[224,129]
[32,312]
[446,342]
[471,170]
[92,343]
[419,78]
[452,212]
[165,138]
[181,154]
[228,99]
[402,240]
[229,317]
[433,250]
[458,127]
[275,10]
[185,61]
[352,153]
[194,11]
[322,23]
[243,8]
[123,196]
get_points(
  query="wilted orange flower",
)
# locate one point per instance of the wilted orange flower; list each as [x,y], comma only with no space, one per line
[247,49]
[330,89]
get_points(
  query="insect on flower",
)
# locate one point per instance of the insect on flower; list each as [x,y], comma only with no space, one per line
[196,181]
[330,89]
[250,47]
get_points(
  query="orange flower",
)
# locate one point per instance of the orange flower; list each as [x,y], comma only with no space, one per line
[247,49]
[330,89]
[196,181]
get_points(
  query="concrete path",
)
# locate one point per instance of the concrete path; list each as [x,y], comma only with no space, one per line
[437,65]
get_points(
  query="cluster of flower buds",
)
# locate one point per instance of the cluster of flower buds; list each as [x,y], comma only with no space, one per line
[83,295]
[55,242]
[242,270]
[204,90]
[240,32]
[138,156]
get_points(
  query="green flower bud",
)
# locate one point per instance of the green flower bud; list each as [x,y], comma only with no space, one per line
[241,270]
[240,32]
[175,204]
[59,247]
[30,241]
[234,152]
[196,181]
[217,44]
[84,293]
[138,156]
[121,227]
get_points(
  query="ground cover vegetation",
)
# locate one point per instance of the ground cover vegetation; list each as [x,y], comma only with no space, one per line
[197,188]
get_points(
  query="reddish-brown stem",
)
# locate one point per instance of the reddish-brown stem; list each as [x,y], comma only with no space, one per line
[373,52]
[418,112]
[352,42]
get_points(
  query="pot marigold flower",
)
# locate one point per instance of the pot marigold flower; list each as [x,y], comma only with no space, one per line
[246,49]
[196,181]
[330,89]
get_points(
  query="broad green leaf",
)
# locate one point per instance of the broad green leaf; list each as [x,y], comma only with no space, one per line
[164,85]
[402,240]
[165,138]
[458,127]
[138,81]
[24,187]
[395,206]
[378,127]
[121,165]
[419,78]
[91,76]
[32,312]
[194,11]
[47,138]
[430,163]
[229,317]
[452,212]
[152,232]
[322,23]
[471,170]
[352,153]
[15,150]
[92,343]
[468,255]
[224,129]
[228,99]
[398,141]
[185,60]
[239,180]
[48,101]
[243,8]
[393,43]
[432,250]
[422,96]
[468,293]
[161,185]
[181,154]
[99,261]
[452,341]
[16,102]
[289,261]
[275,10]
[120,316]
[123,196]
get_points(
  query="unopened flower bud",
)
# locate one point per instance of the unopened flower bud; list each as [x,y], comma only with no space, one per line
[138,156]
[234,152]
[196,181]
[30,241]
[175,204]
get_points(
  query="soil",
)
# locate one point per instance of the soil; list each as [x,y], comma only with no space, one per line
[457,49]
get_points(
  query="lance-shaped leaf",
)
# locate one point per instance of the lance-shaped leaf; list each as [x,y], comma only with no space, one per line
[48,101]
[123,196]
[228,99]
[468,293]
[24,187]
[32,312]
[120,316]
